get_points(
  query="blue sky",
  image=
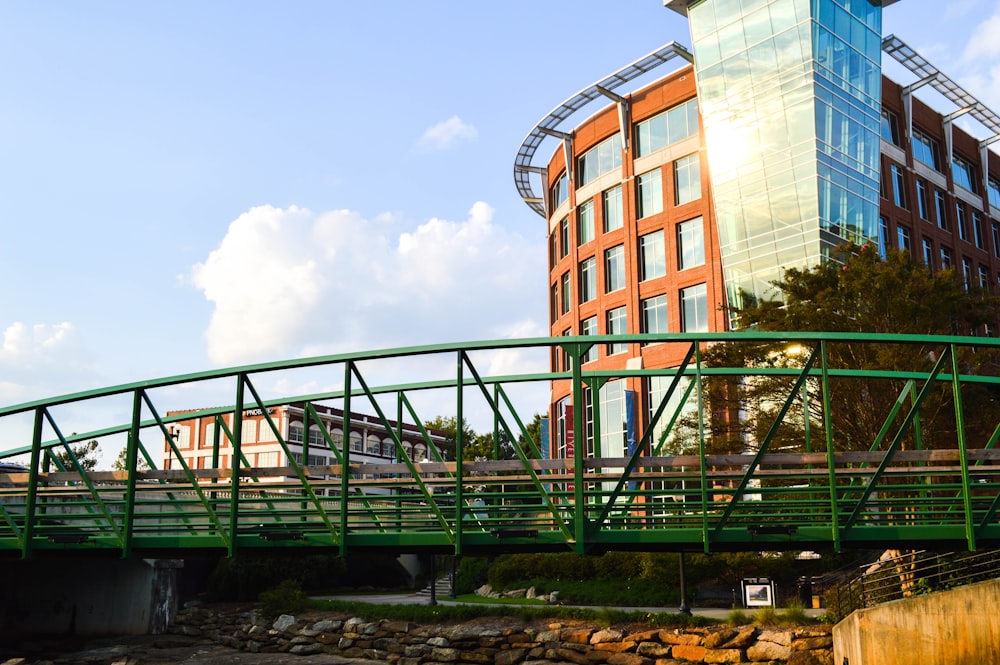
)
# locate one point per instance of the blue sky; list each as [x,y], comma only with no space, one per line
[188,185]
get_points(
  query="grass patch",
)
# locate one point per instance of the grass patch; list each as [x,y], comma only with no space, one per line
[737,618]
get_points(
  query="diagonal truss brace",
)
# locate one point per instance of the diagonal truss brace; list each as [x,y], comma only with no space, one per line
[762,450]
[520,453]
[898,439]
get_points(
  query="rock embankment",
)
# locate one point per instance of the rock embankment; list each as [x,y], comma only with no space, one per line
[507,642]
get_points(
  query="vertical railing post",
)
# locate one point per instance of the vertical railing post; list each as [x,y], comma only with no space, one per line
[345,471]
[963,454]
[131,458]
[234,482]
[30,503]
[579,443]
[703,470]
[831,464]
[459,456]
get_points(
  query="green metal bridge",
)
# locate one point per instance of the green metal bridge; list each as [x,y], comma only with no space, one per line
[754,441]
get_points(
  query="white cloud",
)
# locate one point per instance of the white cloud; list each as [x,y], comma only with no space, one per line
[290,282]
[41,360]
[445,135]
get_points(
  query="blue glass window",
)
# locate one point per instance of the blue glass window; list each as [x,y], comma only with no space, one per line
[674,124]
[602,158]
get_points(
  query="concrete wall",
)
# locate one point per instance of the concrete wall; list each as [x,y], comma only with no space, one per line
[955,627]
[88,596]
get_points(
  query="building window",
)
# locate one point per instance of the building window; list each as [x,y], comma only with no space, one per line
[687,179]
[585,223]
[977,230]
[694,309]
[654,314]
[614,269]
[984,276]
[295,433]
[883,236]
[964,174]
[922,199]
[890,127]
[613,215]
[249,432]
[589,327]
[928,253]
[995,228]
[553,249]
[967,271]
[356,444]
[653,256]
[941,208]
[270,459]
[554,304]
[961,220]
[690,243]
[673,125]
[903,238]
[925,150]
[945,258]
[898,185]
[560,190]
[566,294]
[566,365]
[617,325]
[564,237]
[602,158]
[650,193]
[588,279]
[994,191]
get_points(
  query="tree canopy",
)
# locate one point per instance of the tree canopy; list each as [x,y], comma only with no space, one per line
[860,292]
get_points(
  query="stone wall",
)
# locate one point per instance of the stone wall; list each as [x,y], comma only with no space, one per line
[501,641]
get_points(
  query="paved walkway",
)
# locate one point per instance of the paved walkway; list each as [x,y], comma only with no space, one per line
[424,599]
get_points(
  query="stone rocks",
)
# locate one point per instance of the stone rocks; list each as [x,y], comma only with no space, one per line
[490,643]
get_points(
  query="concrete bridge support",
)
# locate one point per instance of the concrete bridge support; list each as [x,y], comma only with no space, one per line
[954,627]
[84,596]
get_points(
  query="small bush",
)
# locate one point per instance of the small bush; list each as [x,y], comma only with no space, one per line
[286,598]
[737,618]
[795,614]
[765,616]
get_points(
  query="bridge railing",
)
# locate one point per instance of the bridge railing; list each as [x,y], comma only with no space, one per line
[751,441]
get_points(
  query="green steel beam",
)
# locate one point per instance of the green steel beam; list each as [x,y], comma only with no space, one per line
[963,453]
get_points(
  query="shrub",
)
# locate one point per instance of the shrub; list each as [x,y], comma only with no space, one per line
[286,598]
[472,573]
[737,618]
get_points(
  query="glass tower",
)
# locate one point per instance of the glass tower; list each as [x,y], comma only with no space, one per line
[790,94]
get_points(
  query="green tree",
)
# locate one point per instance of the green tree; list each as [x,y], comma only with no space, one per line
[120,463]
[448,425]
[860,292]
[85,453]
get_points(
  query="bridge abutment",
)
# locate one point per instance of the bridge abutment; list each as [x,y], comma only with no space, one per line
[89,597]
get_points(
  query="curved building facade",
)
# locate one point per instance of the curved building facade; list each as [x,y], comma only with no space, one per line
[775,141]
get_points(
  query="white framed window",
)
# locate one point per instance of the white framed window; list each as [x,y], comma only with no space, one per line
[650,193]
[687,179]
[249,431]
[588,279]
[589,327]
[652,255]
[585,223]
[674,124]
[694,308]
[602,158]
[654,314]
[614,216]
[617,324]
[614,269]
[691,243]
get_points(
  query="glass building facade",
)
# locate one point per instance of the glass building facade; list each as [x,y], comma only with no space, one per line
[790,94]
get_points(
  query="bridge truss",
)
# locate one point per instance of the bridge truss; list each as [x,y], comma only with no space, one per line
[697,479]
